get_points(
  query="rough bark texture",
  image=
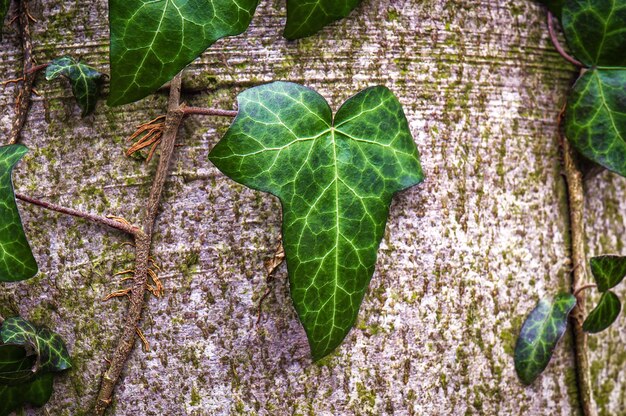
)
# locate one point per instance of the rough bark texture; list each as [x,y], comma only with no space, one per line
[465,255]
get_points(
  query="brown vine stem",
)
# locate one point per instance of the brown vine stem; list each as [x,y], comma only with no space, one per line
[574,179]
[119,225]
[28,75]
[557,44]
[208,111]
[143,241]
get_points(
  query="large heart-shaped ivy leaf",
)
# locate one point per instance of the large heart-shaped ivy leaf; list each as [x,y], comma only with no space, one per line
[16,364]
[4,9]
[307,17]
[50,348]
[608,271]
[335,180]
[16,258]
[540,333]
[595,119]
[36,392]
[604,314]
[596,31]
[151,41]
[85,80]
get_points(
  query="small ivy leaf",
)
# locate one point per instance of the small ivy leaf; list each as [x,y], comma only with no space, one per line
[540,333]
[595,118]
[50,348]
[151,41]
[596,31]
[16,258]
[36,392]
[335,180]
[304,18]
[604,314]
[16,365]
[4,9]
[555,6]
[608,271]
[85,81]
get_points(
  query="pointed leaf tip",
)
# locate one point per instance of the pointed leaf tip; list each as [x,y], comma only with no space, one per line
[16,258]
[540,334]
[335,179]
[604,314]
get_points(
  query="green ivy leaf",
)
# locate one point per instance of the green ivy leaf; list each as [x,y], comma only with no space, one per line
[595,118]
[540,333]
[36,392]
[335,180]
[604,314]
[304,18]
[50,348]
[151,41]
[16,258]
[85,81]
[596,31]
[555,6]
[4,9]
[608,271]
[16,364]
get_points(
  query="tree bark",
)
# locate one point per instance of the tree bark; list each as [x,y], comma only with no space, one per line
[465,257]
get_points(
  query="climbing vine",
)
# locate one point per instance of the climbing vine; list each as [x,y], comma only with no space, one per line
[593,127]
[335,175]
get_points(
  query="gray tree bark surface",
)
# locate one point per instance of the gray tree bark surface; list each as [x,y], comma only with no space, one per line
[465,256]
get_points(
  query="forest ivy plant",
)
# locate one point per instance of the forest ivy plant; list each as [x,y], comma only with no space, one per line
[29,356]
[595,124]
[335,175]
[153,41]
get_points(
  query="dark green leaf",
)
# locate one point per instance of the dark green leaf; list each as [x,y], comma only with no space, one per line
[304,18]
[540,333]
[608,271]
[595,118]
[36,392]
[16,365]
[85,81]
[604,314]
[555,6]
[16,258]
[4,9]
[335,180]
[53,355]
[151,41]
[596,31]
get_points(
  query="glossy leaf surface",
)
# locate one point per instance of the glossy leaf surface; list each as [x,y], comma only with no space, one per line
[151,41]
[50,348]
[335,180]
[540,333]
[595,119]
[16,366]
[36,392]
[604,314]
[596,31]
[305,17]
[608,271]
[85,81]
[16,258]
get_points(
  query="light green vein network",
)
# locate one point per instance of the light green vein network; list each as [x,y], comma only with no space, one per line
[595,117]
[305,17]
[335,180]
[152,40]
[16,258]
